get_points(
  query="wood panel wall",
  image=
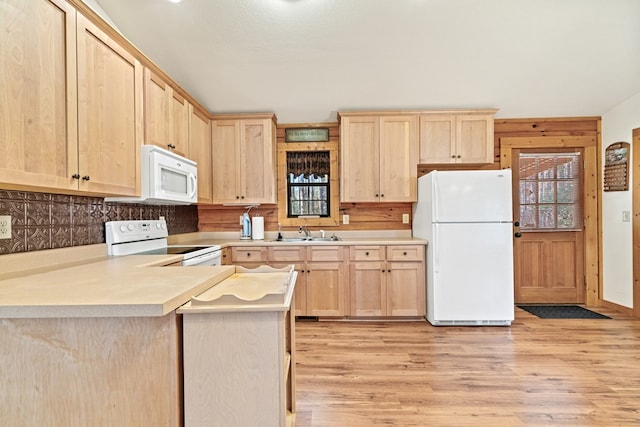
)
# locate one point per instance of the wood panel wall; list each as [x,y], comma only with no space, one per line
[388,216]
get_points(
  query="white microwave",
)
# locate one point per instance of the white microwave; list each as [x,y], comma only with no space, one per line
[167,179]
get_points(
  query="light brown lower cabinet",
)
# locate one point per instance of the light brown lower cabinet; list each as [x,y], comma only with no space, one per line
[322,277]
[386,281]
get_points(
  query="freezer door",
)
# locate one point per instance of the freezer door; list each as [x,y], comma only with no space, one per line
[472,196]
[472,276]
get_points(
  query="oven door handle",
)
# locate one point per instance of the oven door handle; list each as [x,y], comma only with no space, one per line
[212,258]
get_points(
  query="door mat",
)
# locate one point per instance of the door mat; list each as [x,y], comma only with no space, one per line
[562,312]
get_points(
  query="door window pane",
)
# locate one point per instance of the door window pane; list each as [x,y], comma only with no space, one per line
[550,191]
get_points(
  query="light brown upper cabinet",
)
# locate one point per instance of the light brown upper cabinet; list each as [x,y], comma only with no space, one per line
[71,104]
[200,151]
[244,159]
[456,137]
[379,157]
[166,117]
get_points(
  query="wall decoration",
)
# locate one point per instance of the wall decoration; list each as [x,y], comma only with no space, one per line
[306,134]
[616,167]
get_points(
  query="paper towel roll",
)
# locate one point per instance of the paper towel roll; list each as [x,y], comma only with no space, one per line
[257,226]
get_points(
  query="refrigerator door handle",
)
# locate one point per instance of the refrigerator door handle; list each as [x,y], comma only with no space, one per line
[436,197]
[436,253]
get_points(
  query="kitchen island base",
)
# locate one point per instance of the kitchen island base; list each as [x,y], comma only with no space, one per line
[98,371]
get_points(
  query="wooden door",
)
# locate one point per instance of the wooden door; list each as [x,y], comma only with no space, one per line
[405,289]
[109,114]
[225,158]
[554,210]
[200,151]
[398,159]
[257,161]
[437,138]
[474,138]
[359,159]
[156,114]
[179,125]
[325,289]
[368,289]
[38,101]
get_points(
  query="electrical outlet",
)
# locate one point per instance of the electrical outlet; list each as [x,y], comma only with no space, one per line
[5,226]
[345,219]
[405,218]
[240,221]
[626,216]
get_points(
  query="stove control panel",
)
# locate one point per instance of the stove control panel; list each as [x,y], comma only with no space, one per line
[135,230]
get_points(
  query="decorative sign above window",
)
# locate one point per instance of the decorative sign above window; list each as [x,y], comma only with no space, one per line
[616,167]
[306,134]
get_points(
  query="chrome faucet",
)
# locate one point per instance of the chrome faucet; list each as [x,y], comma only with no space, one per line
[307,233]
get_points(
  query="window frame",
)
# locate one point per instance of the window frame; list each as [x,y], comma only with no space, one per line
[334,178]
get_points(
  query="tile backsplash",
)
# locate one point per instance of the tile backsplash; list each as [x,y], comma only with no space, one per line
[46,221]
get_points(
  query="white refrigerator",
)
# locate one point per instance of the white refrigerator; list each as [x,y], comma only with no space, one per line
[466,217]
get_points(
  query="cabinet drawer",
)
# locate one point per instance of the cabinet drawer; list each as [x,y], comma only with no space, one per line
[249,254]
[366,253]
[287,253]
[405,253]
[325,253]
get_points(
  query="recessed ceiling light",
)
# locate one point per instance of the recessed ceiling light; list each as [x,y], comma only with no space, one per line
[175,1]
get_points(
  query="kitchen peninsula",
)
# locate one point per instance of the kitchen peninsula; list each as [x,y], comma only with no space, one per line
[87,339]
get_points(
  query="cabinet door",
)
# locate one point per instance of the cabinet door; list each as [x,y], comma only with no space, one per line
[179,125]
[200,151]
[437,138]
[156,114]
[368,289]
[257,161]
[398,159]
[300,292]
[225,150]
[109,113]
[405,289]
[38,101]
[474,138]
[360,159]
[325,288]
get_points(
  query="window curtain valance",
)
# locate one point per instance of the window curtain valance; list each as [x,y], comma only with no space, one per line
[308,163]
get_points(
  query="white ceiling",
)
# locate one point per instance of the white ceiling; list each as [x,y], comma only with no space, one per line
[307,59]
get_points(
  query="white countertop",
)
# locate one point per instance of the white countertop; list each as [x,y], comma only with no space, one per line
[126,286]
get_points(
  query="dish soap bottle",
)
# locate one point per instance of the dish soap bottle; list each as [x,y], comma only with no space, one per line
[245,234]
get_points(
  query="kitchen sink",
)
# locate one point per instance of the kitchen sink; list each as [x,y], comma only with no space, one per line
[308,239]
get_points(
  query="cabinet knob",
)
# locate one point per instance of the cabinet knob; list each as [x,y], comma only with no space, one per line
[86,178]
[366,253]
[376,195]
[459,156]
[453,157]
[382,270]
[404,253]
[248,253]
[237,197]
[382,195]
[75,176]
[389,271]
[242,197]
[308,271]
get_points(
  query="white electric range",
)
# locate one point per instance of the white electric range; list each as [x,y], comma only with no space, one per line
[149,237]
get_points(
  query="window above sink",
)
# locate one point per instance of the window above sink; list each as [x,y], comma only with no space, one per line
[308,179]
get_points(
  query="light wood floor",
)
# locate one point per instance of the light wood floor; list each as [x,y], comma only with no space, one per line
[535,373]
